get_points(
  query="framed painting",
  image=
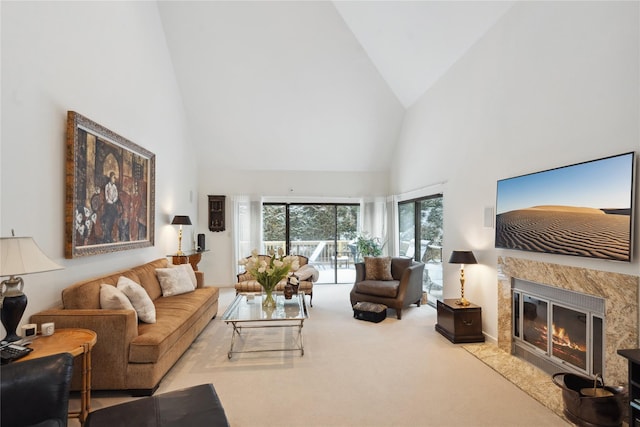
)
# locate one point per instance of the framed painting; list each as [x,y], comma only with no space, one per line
[110,191]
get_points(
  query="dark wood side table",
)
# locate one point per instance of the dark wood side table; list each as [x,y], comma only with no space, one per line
[78,342]
[191,257]
[459,324]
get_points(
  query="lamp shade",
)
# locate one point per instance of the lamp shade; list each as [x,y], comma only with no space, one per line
[181,220]
[21,255]
[462,257]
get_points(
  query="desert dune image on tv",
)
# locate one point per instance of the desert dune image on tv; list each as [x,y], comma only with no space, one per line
[582,210]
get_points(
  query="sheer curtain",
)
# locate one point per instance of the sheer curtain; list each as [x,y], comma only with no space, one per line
[247,229]
[373,214]
[392,226]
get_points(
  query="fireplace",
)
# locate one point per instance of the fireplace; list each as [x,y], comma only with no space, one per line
[557,330]
[617,318]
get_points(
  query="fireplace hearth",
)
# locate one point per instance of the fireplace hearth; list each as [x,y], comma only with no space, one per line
[619,314]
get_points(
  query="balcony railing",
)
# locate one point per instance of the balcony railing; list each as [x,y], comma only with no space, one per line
[318,251]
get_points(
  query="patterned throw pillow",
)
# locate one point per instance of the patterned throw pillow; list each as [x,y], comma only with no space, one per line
[377,268]
[139,299]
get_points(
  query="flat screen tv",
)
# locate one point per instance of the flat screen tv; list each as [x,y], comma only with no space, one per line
[585,209]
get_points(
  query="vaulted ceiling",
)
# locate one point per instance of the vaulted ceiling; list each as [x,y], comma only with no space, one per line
[311,85]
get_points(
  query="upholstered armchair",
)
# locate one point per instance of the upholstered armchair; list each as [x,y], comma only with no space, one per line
[36,391]
[396,285]
[307,274]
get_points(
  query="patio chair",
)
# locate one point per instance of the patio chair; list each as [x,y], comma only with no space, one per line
[313,259]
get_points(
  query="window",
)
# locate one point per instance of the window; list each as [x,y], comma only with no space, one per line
[322,232]
[420,231]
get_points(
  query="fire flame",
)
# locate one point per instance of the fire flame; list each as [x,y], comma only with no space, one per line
[561,337]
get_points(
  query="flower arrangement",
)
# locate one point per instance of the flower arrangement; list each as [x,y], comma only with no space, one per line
[270,272]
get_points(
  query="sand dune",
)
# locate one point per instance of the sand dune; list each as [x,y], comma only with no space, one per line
[562,230]
[560,208]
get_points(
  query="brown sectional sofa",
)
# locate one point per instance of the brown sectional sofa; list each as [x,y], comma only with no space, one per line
[131,355]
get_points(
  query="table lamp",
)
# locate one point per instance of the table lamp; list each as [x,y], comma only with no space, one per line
[18,256]
[180,220]
[462,258]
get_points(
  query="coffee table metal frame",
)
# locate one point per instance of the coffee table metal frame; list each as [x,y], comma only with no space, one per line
[246,312]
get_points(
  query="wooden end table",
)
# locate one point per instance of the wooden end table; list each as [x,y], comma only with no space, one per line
[78,342]
[459,323]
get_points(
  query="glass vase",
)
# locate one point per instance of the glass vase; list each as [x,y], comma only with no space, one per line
[267,299]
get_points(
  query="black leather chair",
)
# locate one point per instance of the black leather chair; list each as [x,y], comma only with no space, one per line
[36,392]
[196,406]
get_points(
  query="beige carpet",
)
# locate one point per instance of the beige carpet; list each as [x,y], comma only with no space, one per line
[353,373]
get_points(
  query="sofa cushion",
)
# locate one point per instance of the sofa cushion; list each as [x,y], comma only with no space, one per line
[174,281]
[148,279]
[377,268]
[175,317]
[381,288]
[139,299]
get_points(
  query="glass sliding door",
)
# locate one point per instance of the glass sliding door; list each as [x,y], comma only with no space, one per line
[314,228]
[347,218]
[274,228]
[407,228]
[420,231]
[324,233]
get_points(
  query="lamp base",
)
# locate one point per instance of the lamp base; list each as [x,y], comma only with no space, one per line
[10,315]
[463,302]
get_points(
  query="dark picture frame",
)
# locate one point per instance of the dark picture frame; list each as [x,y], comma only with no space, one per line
[110,191]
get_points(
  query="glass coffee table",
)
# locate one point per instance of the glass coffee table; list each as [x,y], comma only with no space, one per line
[246,312]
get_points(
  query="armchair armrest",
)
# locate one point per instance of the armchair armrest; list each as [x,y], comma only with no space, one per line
[360,270]
[245,276]
[411,282]
[115,329]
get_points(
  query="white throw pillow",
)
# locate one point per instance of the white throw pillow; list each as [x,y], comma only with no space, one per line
[139,299]
[174,281]
[189,269]
[112,298]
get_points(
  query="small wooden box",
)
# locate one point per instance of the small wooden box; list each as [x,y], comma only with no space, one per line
[459,324]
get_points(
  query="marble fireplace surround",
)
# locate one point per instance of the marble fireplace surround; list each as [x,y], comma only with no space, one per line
[620,292]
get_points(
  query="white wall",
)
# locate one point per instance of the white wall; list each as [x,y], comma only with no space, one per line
[344,187]
[108,61]
[553,83]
